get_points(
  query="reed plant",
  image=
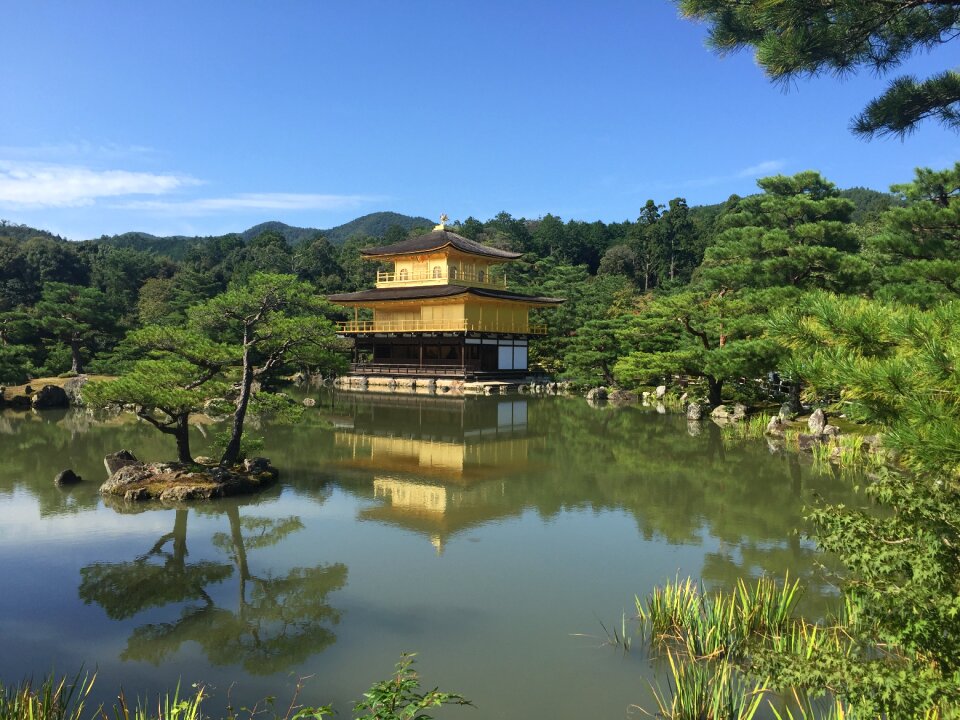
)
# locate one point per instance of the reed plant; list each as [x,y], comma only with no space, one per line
[680,615]
[49,700]
[398,698]
[707,691]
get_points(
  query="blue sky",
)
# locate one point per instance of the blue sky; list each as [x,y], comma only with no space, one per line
[209,117]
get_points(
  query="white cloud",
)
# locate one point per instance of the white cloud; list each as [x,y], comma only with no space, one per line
[762,168]
[252,201]
[48,185]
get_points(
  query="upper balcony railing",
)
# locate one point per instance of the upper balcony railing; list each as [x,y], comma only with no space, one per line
[439,276]
[395,326]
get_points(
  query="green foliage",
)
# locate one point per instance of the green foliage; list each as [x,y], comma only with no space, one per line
[796,234]
[917,250]
[400,697]
[800,38]
[78,317]
[897,367]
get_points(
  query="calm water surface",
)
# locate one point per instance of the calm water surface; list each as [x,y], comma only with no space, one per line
[492,536]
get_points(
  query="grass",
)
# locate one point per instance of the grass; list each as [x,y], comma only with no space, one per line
[680,616]
[398,698]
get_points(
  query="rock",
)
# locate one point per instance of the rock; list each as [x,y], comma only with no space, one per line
[725,414]
[694,429]
[204,460]
[684,398]
[50,396]
[831,430]
[172,482]
[806,441]
[259,466]
[870,443]
[660,392]
[775,426]
[835,454]
[661,408]
[817,422]
[19,402]
[694,411]
[122,480]
[597,393]
[790,409]
[66,477]
[622,397]
[523,389]
[74,389]
[309,402]
[28,389]
[117,460]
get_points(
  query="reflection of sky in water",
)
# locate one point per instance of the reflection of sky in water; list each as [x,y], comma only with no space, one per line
[550,517]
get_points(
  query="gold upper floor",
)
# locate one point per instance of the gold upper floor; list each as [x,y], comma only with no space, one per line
[444,267]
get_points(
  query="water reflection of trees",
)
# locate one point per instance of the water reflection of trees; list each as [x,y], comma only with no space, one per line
[278,621]
[680,488]
[36,446]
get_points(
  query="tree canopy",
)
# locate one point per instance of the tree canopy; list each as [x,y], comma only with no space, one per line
[808,38]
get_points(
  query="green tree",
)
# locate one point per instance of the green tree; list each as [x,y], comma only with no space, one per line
[918,246]
[893,366]
[643,240]
[678,248]
[717,336]
[808,38]
[79,317]
[796,234]
[179,372]
[273,321]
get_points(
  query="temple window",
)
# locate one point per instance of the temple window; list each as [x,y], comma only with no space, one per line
[437,271]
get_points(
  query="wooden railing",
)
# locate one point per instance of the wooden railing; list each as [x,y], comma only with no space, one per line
[405,277]
[394,326]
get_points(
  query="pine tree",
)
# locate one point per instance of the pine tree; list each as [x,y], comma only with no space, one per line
[918,248]
[807,38]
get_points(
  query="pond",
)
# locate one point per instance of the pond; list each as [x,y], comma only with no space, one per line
[493,536]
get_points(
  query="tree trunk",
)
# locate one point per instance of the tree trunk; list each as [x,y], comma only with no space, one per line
[182,433]
[76,360]
[714,387]
[232,452]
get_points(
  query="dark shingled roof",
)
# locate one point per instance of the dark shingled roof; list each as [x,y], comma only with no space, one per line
[435,291]
[436,240]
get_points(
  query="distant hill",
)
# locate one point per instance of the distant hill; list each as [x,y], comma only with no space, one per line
[292,233]
[173,246]
[376,225]
[176,246]
[869,204]
[20,233]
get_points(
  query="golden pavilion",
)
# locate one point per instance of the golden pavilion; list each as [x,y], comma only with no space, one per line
[442,311]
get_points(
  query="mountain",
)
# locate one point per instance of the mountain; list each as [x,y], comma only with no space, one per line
[376,225]
[20,233]
[176,246]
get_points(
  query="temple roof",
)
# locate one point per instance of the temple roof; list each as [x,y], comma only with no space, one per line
[435,291]
[436,240]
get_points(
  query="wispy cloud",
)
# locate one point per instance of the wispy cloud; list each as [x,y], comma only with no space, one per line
[80,151]
[252,201]
[757,170]
[38,185]
[762,168]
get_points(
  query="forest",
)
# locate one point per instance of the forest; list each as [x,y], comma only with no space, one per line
[65,306]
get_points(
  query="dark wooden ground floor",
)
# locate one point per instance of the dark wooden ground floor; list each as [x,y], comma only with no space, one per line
[451,355]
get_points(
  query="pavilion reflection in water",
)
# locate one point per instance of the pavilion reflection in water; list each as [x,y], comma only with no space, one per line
[439,465]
